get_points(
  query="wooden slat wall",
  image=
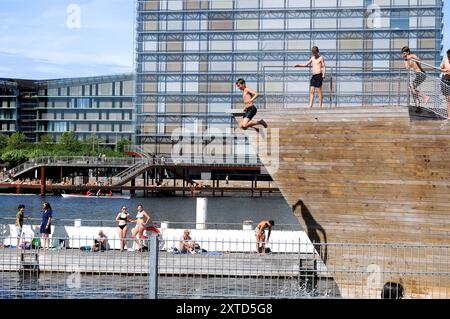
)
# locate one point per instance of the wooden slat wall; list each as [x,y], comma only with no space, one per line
[364,175]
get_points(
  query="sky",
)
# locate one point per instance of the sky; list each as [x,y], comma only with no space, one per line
[45,39]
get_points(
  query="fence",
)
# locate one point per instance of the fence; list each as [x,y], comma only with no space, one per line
[429,91]
[220,268]
[288,87]
[285,86]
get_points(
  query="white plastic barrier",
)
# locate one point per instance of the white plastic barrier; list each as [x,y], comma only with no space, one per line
[209,239]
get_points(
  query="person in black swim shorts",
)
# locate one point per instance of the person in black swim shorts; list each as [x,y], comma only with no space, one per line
[412,62]
[250,110]
[319,70]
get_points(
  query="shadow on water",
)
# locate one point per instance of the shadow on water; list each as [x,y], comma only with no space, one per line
[314,230]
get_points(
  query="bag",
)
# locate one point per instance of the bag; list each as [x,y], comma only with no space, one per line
[36,243]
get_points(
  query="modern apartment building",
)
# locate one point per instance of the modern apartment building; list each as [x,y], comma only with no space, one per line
[191,52]
[101,106]
[8,107]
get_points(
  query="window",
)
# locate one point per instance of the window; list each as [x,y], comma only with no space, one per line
[400,20]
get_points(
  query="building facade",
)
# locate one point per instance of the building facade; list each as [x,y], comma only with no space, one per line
[8,107]
[101,106]
[94,106]
[191,52]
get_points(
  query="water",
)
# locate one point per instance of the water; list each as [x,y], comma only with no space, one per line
[231,210]
[174,209]
[62,286]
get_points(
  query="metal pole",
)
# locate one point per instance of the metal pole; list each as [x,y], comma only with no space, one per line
[153,259]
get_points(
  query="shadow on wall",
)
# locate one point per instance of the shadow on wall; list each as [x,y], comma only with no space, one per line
[314,230]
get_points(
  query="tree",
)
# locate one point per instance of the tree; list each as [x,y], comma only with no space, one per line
[14,157]
[17,141]
[45,144]
[69,144]
[120,146]
[3,140]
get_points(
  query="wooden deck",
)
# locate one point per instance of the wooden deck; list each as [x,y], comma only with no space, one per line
[137,263]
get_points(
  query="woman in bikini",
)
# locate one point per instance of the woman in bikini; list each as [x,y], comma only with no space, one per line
[142,218]
[122,218]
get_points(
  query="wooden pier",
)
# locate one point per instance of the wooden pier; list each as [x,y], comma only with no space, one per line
[249,265]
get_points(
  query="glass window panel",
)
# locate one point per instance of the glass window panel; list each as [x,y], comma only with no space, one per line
[272,4]
[150,46]
[220,66]
[324,23]
[272,24]
[191,66]
[247,24]
[191,86]
[191,45]
[174,87]
[221,45]
[298,23]
[247,4]
[250,45]
[222,4]
[218,107]
[325,3]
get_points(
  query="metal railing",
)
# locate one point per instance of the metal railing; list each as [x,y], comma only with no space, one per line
[80,267]
[430,91]
[288,87]
[72,160]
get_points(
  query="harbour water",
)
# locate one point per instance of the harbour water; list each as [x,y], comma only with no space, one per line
[226,212]
[63,286]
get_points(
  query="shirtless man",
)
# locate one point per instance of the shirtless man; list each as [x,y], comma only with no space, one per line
[319,71]
[411,63]
[445,81]
[250,110]
[261,235]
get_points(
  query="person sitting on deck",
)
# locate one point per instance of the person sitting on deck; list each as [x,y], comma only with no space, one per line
[187,245]
[260,234]
[101,242]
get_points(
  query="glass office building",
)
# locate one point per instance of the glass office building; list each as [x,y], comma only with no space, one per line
[101,106]
[191,52]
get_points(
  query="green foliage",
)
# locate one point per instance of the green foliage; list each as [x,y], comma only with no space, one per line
[120,147]
[15,150]
[70,144]
[17,141]
[3,141]
[15,157]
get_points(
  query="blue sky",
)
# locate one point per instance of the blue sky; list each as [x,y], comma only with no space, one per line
[37,43]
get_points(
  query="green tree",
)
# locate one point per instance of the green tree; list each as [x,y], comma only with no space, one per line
[69,144]
[3,141]
[120,146]
[15,157]
[17,141]
[91,146]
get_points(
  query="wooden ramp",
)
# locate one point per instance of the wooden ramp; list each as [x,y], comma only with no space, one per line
[365,175]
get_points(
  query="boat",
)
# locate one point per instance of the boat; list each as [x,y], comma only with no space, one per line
[95,196]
